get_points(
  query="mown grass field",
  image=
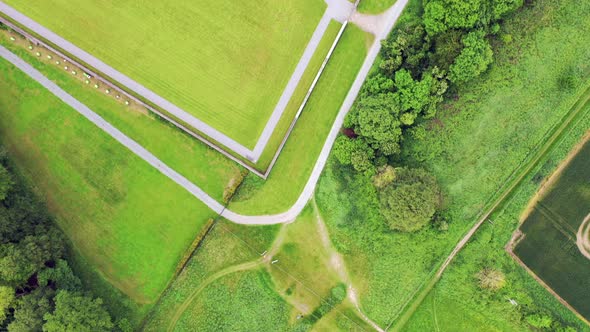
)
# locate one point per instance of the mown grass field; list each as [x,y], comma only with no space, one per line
[225,246]
[477,139]
[290,173]
[128,223]
[226,63]
[202,165]
[457,303]
[549,246]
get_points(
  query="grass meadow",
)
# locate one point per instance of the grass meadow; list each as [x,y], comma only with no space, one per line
[229,262]
[290,173]
[127,223]
[458,304]
[549,246]
[200,164]
[473,145]
[225,63]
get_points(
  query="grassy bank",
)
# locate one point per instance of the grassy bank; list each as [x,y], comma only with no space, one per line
[293,167]
[127,222]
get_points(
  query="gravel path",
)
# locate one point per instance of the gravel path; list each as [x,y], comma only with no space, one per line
[339,10]
[285,217]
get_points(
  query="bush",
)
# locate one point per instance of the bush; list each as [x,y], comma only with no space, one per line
[409,203]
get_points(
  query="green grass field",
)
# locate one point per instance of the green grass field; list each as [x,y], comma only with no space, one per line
[477,139]
[127,222]
[458,304]
[290,173]
[549,247]
[202,165]
[225,63]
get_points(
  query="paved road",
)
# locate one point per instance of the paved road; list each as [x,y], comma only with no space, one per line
[285,217]
[337,9]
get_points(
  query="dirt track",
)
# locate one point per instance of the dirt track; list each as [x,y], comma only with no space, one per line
[583,237]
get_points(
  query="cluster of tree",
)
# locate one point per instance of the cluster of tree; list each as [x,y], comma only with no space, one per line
[38,290]
[446,45]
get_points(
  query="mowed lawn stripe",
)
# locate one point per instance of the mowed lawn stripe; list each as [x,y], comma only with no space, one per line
[124,217]
[224,62]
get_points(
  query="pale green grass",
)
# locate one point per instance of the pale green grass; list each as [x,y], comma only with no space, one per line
[126,220]
[200,164]
[291,172]
[226,245]
[227,63]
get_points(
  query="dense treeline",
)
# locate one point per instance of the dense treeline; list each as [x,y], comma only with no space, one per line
[446,45]
[38,290]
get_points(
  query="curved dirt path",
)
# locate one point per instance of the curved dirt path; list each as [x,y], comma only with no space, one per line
[390,18]
[223,272]
[339,266]
[583,237]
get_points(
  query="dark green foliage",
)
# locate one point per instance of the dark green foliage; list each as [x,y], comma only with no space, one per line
[76,312]
[6,300]
[410,202]
[61,276]
[33,265]
[5,182]
[29,311]
[473,60]
[355,152]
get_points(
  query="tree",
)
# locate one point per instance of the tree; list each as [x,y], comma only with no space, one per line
[539,321]
[29,311]
[473,59]
[384,177]
[355,152]
[6,301]
[410,202]
[503,7]
[77,313]
[442,15]
[491,279]
[6,182]
[20,260]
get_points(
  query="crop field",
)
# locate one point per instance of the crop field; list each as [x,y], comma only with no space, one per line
[509,120]
[549,244]
[127,222]
[225,63]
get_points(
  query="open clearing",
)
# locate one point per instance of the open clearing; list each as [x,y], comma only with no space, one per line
[549,245]
[225,63]
[128,223]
